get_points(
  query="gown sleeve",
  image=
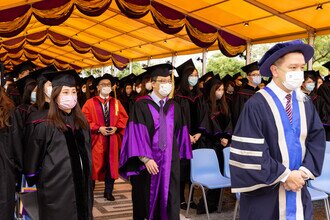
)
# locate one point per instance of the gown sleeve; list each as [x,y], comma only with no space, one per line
[251,165]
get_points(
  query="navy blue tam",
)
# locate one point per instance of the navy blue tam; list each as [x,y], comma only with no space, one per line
[279,50]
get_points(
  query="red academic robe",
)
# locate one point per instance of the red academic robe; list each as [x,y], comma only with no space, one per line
[94,115]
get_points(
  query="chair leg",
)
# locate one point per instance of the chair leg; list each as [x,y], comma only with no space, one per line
[190,193]
[235,210]
[205,203]
[327,208]
[220,200]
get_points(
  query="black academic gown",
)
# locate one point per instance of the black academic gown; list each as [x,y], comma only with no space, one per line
[127,101]
[241,97]
[321,101]
[59,163]
[13,94]
[9,171]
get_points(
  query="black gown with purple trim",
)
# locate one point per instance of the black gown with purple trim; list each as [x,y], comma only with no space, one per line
[154,196]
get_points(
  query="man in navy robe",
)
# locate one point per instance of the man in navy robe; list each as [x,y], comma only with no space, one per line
[279,141]
[155,140]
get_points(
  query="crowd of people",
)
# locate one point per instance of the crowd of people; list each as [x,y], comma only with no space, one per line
[61,133]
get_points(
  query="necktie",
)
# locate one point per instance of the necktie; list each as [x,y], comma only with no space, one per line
[288,108]
[162,127]
[106,113]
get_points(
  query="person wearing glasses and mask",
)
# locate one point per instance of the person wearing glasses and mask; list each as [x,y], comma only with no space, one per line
[247,90]
[155,139]
[107,119]
[58,155]
[279,140]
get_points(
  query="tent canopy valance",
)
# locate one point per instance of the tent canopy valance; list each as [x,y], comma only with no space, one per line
[89,33]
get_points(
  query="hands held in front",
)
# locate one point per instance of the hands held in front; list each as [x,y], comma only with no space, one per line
[106,131]
[195,138]
[152,167]
[295,181]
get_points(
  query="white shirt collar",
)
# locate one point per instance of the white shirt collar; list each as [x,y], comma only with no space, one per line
[156,99]
[280,93]
[102,97]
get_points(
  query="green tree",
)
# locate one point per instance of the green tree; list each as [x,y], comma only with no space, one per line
[222,65]
[136,69]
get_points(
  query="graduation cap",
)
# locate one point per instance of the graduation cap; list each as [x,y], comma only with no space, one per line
[227,78]
[39,73]
[250,67]
[139,78]
[185,66]
[236,75]
[160,70]
[68,78]
[21,83]
[312,73]
[205,76]
[211,82]
[127,80]
[327,65]
[105,76]
[27,65]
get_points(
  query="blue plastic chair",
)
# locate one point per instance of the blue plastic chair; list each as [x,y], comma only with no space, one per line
[327,147]
[205,172]
[322,182]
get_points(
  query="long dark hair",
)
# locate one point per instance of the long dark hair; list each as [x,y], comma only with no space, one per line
[40,93]
[55,115]
[6,105]
[144,90]
[218,106]
[28,88]
[184,84]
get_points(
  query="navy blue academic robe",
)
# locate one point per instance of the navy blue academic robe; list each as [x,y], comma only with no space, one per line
[265,147]
[154,196]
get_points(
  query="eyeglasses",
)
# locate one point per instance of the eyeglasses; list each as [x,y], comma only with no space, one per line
[164,81]
[105,85]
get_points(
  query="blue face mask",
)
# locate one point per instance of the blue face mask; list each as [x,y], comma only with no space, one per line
[192,80]
[256,80]
[310,86]
[33,97]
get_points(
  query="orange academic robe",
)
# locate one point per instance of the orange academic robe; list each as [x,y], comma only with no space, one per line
[94,115]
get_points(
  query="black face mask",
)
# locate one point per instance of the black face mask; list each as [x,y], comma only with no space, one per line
[91,87]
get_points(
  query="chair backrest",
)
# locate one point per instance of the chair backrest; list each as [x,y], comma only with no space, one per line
[325,175]
[204,163]
[226,154]
[327,147]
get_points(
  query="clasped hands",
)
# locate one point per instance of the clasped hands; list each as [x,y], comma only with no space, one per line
[106,132]
[295,181]
[195,138]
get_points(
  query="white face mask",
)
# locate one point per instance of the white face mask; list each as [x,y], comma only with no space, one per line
[138,90]
[83,89]
[5,87]
[218,94]
[33,97]
[148,86]
[256,80]
[105,91]
[165,89]
[48,92]
[192,80]
[293,79]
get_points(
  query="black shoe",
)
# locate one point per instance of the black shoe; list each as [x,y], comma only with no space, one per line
[109,196]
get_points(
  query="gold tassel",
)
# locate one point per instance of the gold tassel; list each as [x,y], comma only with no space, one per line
[171,96]
[116,101]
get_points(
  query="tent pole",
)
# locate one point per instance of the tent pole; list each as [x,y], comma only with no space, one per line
[311,40]
[204,61]
[130,67]
[248,52]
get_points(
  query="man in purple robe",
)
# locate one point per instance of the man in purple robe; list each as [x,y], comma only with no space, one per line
[155,140]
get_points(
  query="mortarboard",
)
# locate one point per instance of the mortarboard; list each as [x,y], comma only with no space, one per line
[205,76]
[227,78]
[236,75]
[39,73]
[327,65]
[312,73]
[21,83]
[211,82]
[68,78]
[250,67]
[26,65]
[160,70]
[105,76]
[185,66]
[279,50]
